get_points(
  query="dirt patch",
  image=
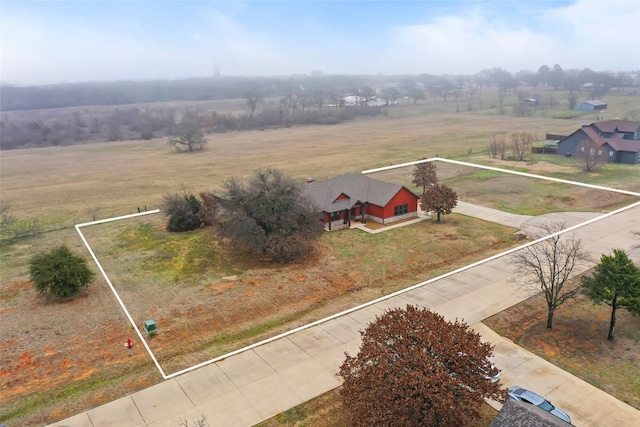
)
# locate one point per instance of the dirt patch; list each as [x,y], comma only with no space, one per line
[578,342]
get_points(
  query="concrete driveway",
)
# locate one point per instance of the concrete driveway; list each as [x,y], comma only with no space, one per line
[261,382]
[585,404]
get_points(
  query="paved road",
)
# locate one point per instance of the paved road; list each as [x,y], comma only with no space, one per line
[257,384]
[493,215]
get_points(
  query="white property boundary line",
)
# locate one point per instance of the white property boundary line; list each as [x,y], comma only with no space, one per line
[528,175]
[386,297]
[126,312]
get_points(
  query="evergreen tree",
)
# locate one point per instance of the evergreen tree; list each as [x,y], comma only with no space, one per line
[59,272]
[615,282]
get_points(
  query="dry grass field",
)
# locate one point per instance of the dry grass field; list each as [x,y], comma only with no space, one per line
[61,357]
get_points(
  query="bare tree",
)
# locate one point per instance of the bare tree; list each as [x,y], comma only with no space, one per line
[189,136]
[589,152]
[550,263]
[188,141]
[521,144]
[497,146]
[391,95]
[93,212]
[253,99]
[318,98]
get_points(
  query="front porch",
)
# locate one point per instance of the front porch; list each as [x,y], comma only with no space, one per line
[372,226]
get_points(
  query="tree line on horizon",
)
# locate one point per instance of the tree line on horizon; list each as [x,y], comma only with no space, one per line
[33,116]
[63,95]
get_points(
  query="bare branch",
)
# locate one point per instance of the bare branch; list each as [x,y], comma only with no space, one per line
[552,263]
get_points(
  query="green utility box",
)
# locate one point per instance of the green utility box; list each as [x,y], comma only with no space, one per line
[150,327]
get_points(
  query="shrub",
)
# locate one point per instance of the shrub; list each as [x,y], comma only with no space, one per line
[59,272]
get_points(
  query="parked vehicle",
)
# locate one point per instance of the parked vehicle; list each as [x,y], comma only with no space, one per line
[527,396]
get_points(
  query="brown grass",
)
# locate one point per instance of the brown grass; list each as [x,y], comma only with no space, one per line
[74,349]
[63,182]
[46,371]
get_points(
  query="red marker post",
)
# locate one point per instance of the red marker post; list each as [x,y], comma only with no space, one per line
[128,344]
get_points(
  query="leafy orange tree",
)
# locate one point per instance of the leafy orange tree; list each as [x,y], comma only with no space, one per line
[439,199]
[416,369]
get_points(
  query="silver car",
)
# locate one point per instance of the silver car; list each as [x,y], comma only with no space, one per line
[527,396]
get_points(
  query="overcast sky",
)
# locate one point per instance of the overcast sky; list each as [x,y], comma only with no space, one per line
[69,41]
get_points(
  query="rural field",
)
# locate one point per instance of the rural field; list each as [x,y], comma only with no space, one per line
[62,357]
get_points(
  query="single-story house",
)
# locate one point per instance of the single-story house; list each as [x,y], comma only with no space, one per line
[591,106]
[614,141]
[344,198]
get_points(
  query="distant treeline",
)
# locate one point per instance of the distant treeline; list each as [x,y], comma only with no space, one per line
[69,127]
[37,116]
[137,92]
[203,89]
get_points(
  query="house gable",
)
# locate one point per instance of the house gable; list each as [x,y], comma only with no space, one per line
[359,195]
[620,136]
[336,193]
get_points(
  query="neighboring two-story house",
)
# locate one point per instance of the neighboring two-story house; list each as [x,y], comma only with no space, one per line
[615,141]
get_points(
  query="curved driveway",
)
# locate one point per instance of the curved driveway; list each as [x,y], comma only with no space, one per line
[259,383]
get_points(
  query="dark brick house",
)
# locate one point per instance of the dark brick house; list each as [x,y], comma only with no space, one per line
[614,141]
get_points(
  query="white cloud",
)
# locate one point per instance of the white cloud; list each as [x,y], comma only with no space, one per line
[602,35]
[460,45]
[589,33]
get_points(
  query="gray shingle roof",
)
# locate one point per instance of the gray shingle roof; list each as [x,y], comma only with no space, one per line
[618,126]
[616,141]
[357,188]
[520,414]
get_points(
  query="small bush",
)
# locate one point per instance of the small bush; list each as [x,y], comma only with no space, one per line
[182,212]
[59,272]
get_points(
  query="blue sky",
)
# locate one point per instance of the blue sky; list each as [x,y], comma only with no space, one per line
[68,41]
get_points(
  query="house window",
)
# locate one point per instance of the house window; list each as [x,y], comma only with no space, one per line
[611,153]
[592,151]
[335,216]
[400,209]
[599,152]
[582,149]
